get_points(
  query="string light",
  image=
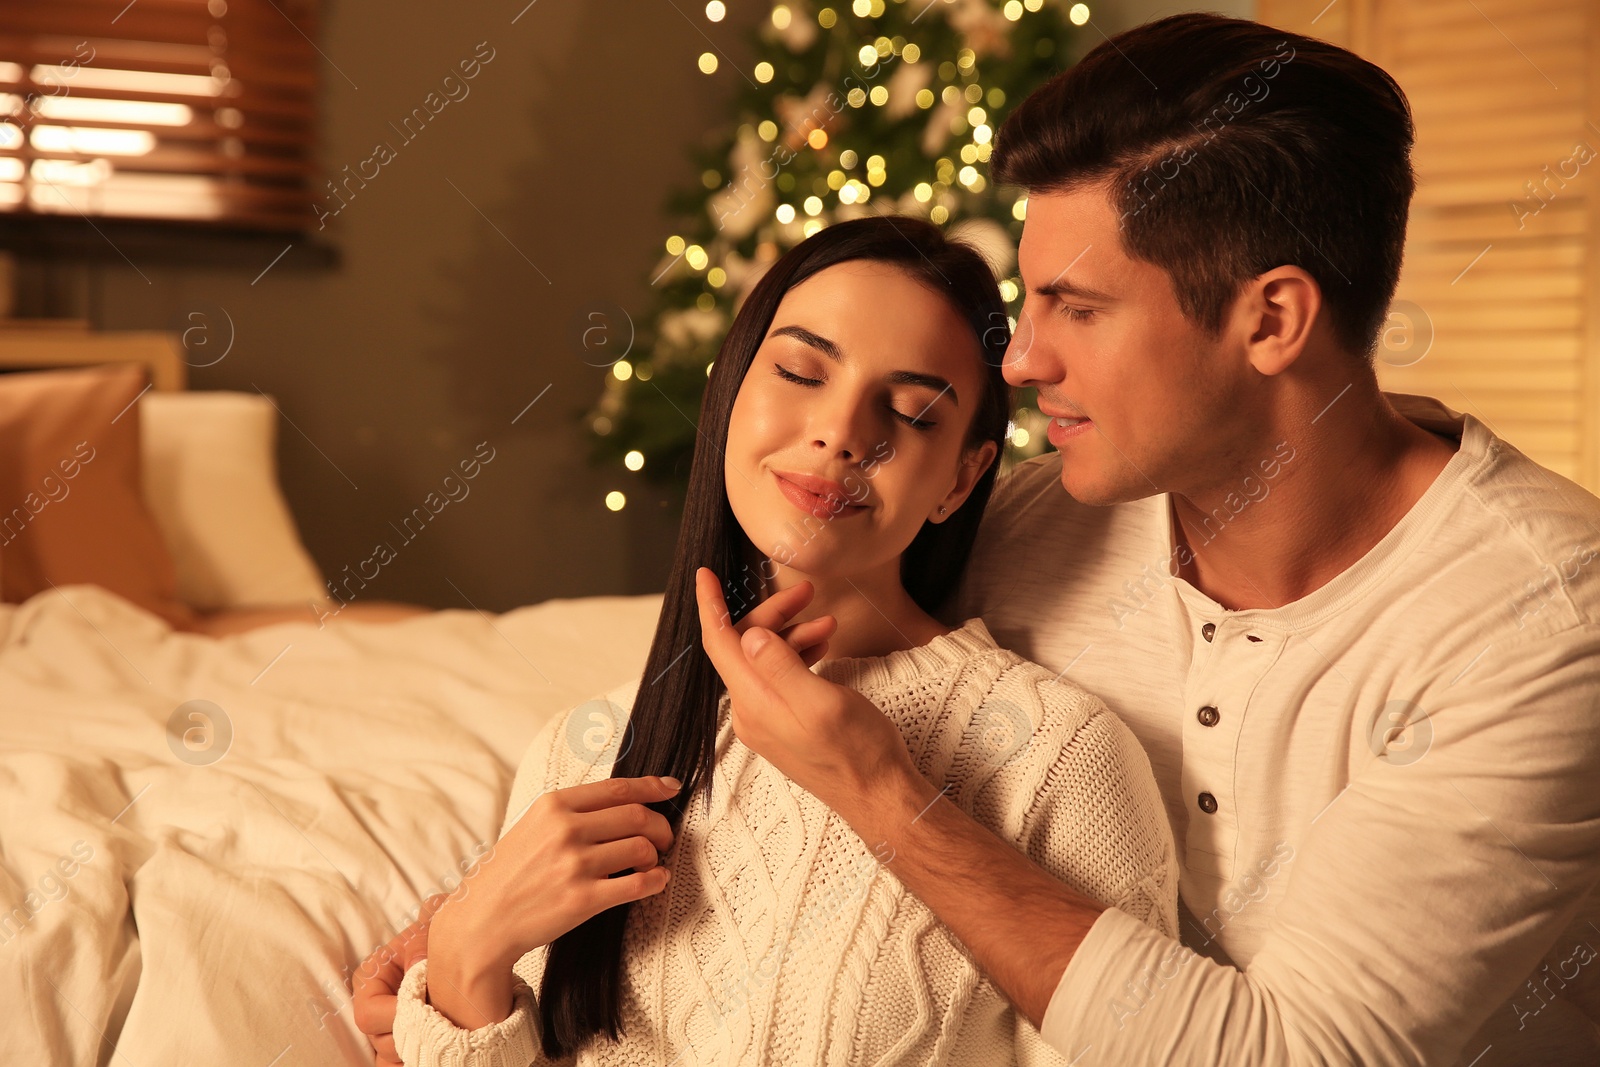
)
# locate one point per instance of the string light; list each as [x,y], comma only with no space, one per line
[768,130]
[675,245]
[784,214]
[1079,14]
[715,11]
[813,205]
[923,192]
[925,98]
[911,53]
[708,63]
[1012,10]
[634,460]
[826,18]
[616,501]
[817,138]
[763,74]
[622,370]
[780,17]
[1019,210]
[697,257]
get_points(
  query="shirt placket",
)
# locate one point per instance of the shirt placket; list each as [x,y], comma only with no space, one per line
[1229,659]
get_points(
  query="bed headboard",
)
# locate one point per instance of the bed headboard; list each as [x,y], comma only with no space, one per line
[56,346]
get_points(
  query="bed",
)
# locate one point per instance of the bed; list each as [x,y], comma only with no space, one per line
[205,829]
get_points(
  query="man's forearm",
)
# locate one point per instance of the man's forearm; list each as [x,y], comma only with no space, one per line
[1020,924]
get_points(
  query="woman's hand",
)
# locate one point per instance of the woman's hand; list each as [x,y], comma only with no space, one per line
[549,873]
[378,979]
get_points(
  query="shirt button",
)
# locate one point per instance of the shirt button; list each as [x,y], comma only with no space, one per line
[1208,803]
[1208,631]
[1208,716]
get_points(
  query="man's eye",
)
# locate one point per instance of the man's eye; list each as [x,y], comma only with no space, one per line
[791,376]
[1075,314]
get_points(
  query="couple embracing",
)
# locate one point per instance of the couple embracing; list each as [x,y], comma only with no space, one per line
[1286,777]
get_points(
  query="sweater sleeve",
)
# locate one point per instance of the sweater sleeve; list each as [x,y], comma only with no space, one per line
[1420,898]
[1097,824]
[569,749]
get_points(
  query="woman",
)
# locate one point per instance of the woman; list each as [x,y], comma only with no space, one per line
[847,446]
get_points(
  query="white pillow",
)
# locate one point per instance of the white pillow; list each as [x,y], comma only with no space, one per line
[210,479]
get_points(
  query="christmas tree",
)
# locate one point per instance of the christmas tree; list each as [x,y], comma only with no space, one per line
[866,107]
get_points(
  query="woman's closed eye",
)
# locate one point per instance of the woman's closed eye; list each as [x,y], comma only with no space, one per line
[1075,314]
[913,420]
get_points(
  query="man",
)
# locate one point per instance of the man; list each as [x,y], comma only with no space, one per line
[1357,633]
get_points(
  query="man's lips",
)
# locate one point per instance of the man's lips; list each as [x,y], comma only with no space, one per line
[819,497]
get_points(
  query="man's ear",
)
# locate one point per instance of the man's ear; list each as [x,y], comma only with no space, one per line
[1275,313]
[974,461]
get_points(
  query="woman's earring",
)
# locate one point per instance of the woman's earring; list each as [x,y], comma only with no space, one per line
[941,509]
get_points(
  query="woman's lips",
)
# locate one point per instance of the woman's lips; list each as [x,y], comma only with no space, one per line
[817,505]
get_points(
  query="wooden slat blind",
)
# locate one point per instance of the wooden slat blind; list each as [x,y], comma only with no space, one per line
[1503,254]
[200,111]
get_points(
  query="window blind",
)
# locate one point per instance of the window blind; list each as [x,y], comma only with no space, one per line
[196,111]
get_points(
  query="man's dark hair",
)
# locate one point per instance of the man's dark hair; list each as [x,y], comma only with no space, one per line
[1231,148]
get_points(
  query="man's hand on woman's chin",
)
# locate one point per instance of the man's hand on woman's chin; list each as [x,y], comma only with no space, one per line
[827,738]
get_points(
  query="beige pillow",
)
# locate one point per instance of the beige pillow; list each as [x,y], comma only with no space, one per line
[71,506]
[210,478]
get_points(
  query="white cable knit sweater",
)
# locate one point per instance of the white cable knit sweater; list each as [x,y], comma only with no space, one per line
[781,940]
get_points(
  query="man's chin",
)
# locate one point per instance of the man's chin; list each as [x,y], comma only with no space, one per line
[1102,493]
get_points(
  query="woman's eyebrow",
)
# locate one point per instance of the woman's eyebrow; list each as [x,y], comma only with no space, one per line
[898,377]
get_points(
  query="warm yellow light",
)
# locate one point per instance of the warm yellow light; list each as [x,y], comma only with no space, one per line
[969,154]
[977,116]
[715,11]
[826,18]
[879,95]
[1019,210]
[812,227]
[633,460]
[763,73]
[911,53]
[923,192]
[708,62]
[847,195]
[982,134]
[675,245]
[966,58]
[862,8]
[705,301]
[643,372]
[996,97]
[868,55]
[817,138]
[813,205]
[768,130]
[1008,290]
[925,98]
[1020,437]
[716,277]
[938,215]
[785,213]
[601,424]
[697,257]
[780,17]
[856,97]
[622,370]
[713,363]
[1033,5]
[1079,14]
[847,158]
[615,500]
[835,179]
[1012,10]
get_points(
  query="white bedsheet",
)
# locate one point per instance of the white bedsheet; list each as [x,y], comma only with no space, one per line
[179,912]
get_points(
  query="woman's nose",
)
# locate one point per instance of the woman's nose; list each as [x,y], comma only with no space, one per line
[840,430]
